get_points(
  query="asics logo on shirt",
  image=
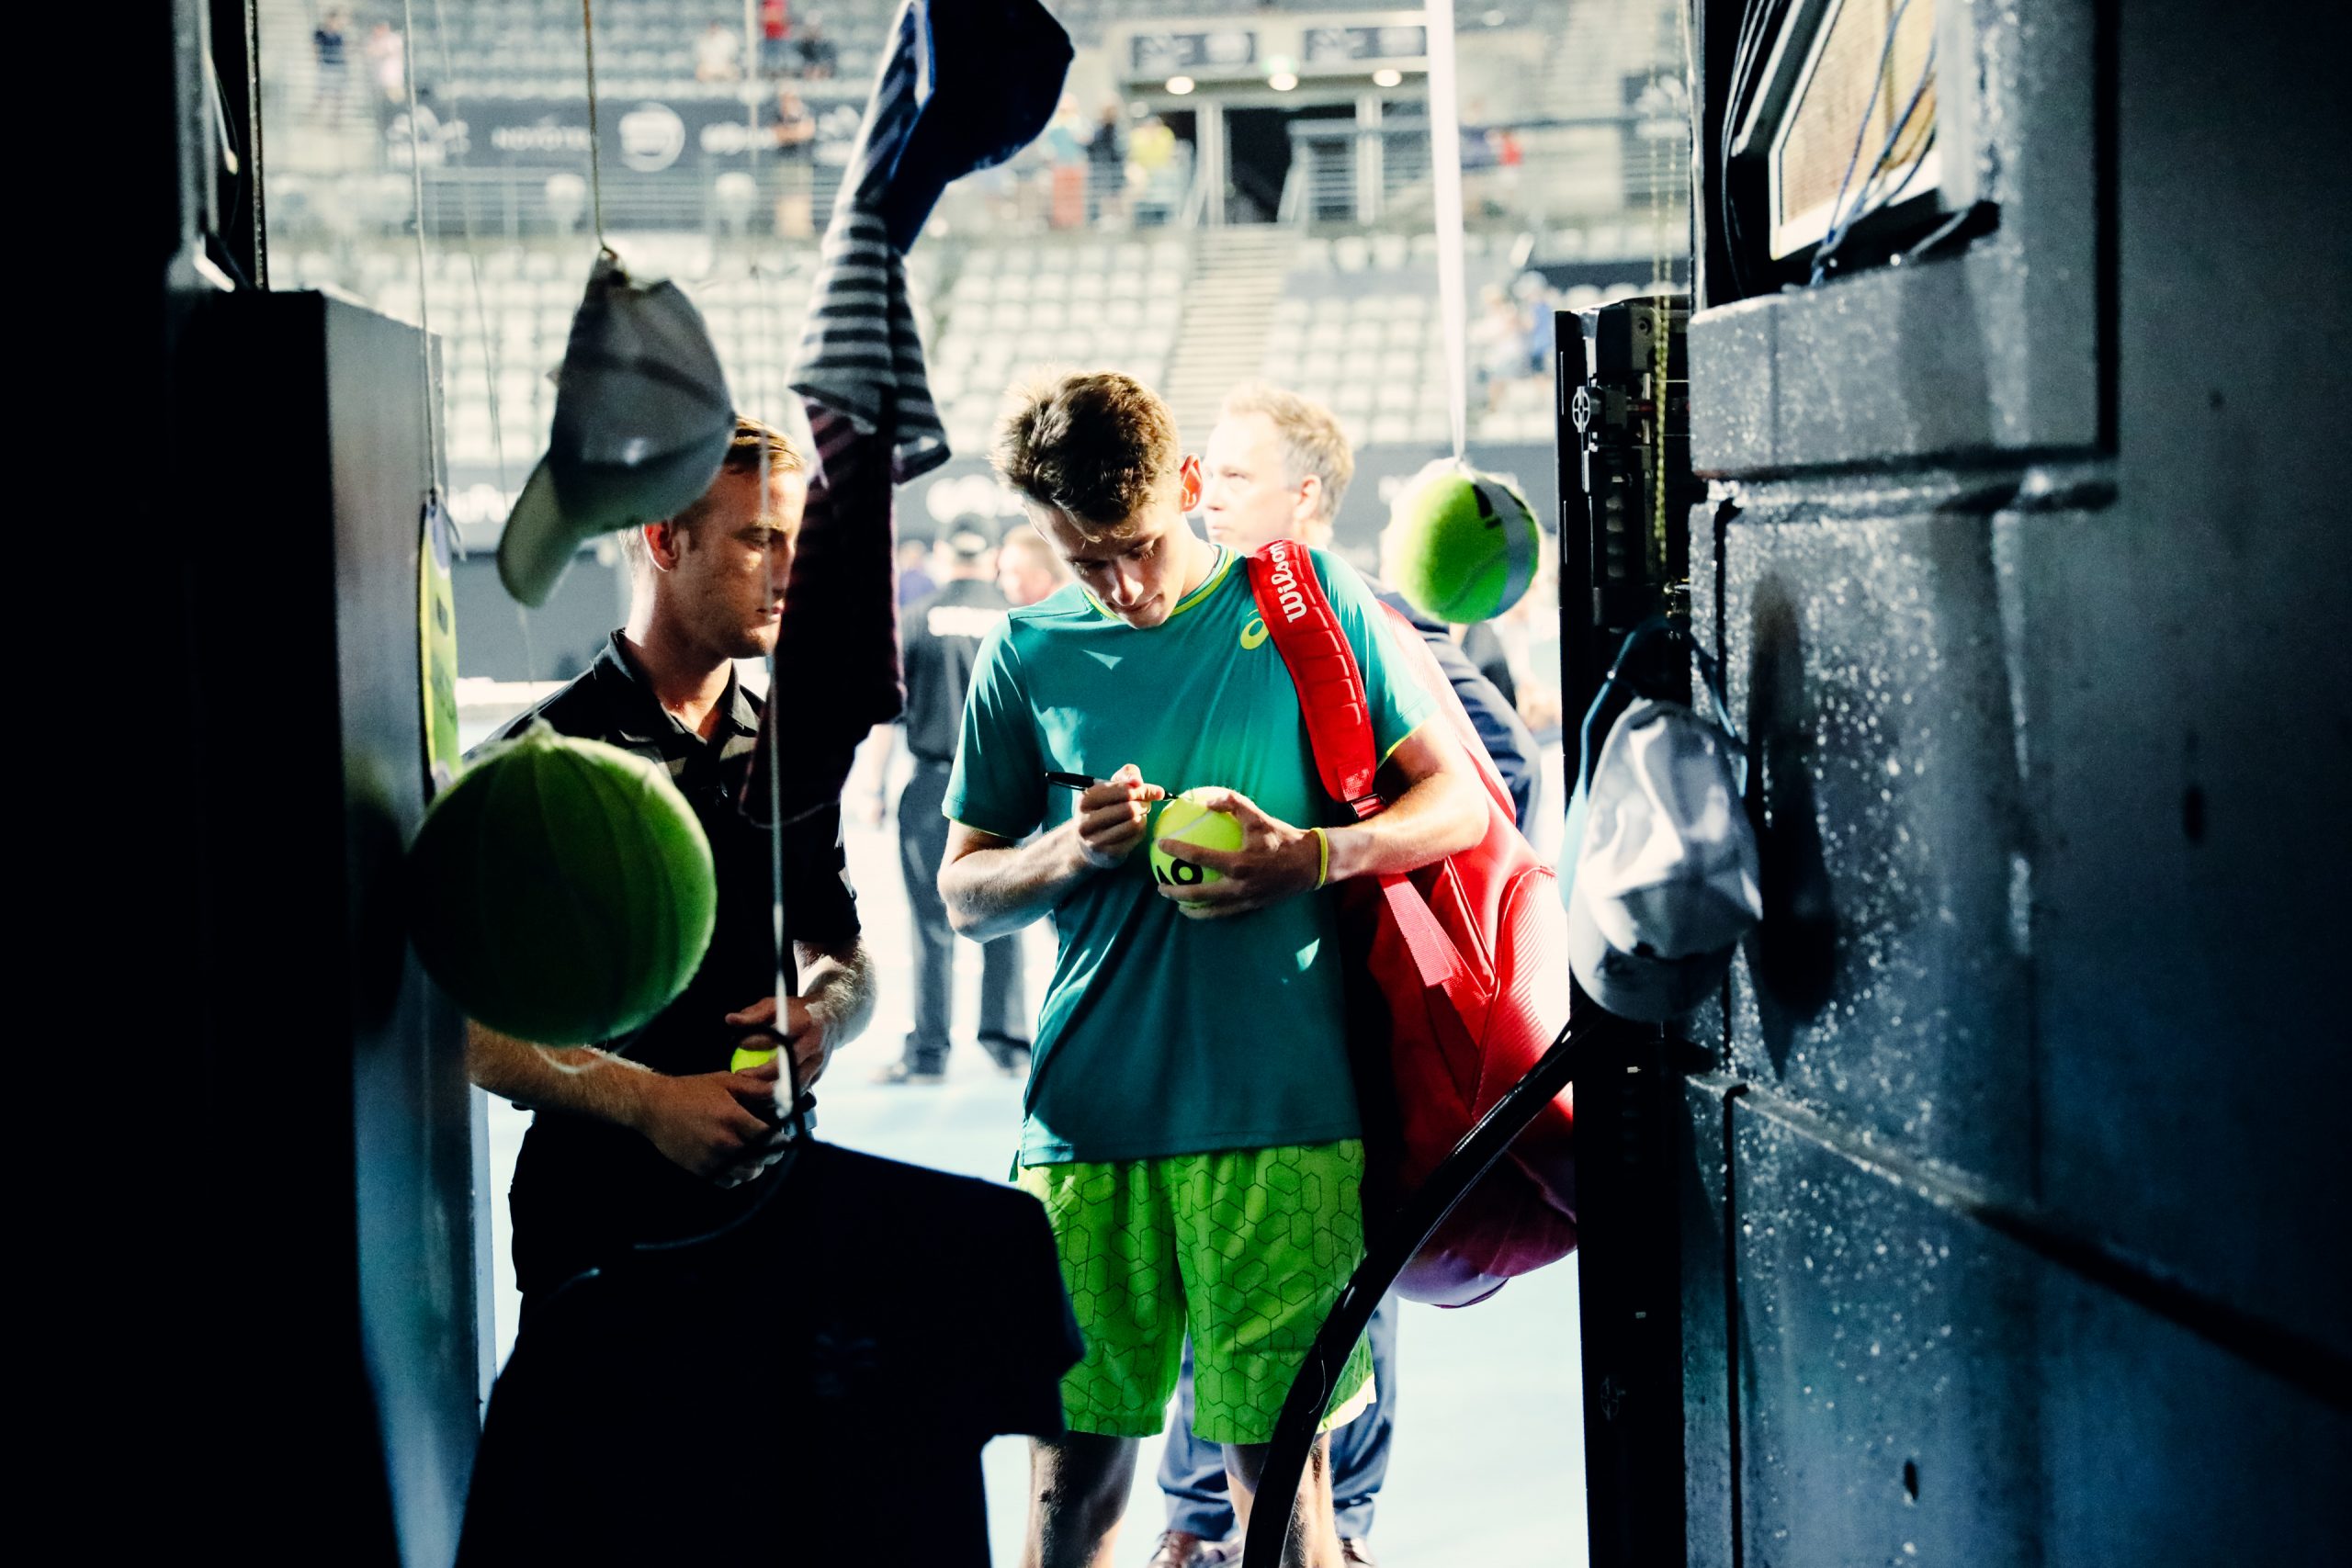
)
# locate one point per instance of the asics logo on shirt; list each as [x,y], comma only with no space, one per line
[1254,632]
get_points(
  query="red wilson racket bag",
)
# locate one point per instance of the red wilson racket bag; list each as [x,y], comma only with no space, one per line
[1443,963]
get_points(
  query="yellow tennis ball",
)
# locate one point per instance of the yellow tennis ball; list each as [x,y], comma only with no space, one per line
[746,1058]
[1184,820]
[1463,545]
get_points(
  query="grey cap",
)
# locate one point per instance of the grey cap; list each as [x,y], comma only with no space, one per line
[643,422]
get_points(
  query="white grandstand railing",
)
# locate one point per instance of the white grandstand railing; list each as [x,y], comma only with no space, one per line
[1584,166]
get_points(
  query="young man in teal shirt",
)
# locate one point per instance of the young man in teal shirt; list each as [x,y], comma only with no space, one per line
[1191,1126]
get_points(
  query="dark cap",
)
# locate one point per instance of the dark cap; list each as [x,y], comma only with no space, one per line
[969,536]
[642,422]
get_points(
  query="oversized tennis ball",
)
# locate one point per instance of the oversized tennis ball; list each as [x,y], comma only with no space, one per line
[562,891]
[1184,820]
[1461,544]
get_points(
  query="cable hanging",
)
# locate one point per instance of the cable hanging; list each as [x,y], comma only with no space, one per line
[1445,172]
[423,312]
[596,161]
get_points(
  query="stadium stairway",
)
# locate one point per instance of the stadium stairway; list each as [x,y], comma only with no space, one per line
[1228,310]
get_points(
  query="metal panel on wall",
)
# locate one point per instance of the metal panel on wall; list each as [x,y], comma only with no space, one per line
[2026,574]
[340,1134]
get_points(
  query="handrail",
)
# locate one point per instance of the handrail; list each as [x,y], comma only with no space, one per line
[1310,1393]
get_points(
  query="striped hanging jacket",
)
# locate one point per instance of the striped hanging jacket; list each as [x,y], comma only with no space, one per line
[964,86]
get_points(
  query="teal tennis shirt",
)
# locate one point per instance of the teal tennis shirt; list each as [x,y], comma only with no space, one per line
[1162,1034]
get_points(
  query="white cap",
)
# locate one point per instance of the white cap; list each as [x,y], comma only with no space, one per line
[1666,876]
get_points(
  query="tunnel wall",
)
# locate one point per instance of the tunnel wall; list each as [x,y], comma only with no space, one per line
[2013,1206]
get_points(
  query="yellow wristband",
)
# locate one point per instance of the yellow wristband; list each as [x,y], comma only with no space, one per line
[1323,844]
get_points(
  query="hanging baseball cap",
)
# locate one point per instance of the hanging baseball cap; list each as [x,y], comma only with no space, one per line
[1666,873]
[642,422]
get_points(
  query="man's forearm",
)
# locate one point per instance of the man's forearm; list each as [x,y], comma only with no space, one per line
[994,891]
[1439,816]
[578,1078]
[837,985]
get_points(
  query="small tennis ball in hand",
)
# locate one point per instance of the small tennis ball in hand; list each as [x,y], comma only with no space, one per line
[1463,545]
[1184,820]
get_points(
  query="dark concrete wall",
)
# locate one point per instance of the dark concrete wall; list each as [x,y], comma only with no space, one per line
[2013,1230]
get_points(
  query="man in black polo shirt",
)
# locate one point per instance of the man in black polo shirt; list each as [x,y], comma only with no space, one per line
[651,1137]
[939,639]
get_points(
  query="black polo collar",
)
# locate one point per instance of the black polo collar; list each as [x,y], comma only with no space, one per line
[639,719]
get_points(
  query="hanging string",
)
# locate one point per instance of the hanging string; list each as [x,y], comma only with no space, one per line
[1445,172]
[424,313]
[596,161]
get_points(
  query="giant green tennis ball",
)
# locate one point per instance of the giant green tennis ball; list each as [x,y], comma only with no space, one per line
[1461,544]
[562,891]
[1184,820]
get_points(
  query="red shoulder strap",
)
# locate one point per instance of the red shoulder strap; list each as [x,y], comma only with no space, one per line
[1323,667]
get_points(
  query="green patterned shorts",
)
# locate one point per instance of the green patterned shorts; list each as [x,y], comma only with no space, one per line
[1247,1249]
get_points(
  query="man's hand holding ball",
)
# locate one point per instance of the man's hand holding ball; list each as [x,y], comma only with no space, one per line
[1275,861]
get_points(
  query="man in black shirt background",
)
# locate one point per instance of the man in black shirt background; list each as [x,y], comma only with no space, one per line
[939,639]
[652,1137]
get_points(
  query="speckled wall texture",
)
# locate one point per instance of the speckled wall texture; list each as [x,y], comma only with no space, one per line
[2017,1230]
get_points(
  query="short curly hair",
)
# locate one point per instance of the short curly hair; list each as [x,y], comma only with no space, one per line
[1093,446]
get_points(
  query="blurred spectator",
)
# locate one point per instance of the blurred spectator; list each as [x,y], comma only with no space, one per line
[1160,174]
[1065,144]
[1498,340]
[818,57]
[1026,567]
[388,62]
[914,565]
[793,131]
[716,54]
[940,635]
[1535,306]
[776,27]
[1106,164]
[327,48]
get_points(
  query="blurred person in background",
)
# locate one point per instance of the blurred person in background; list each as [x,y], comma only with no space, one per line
[1065,144]
[330,56]
[1498,344]
[1026,567]
[939,639]
[716,53]
[915,580]
[388,62]
[1106,164]
[1277,466]
[793,131]
[776,32]
[1161,172]
[819,59]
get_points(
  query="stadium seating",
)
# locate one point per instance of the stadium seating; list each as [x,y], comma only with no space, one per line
[504,332]
[1102,304]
